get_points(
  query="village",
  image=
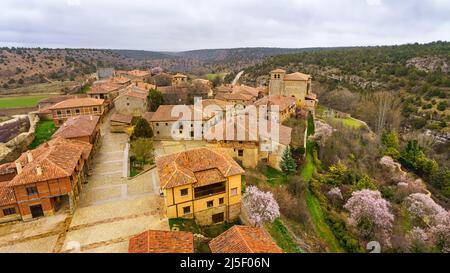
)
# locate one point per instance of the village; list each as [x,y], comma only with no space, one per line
[126,172]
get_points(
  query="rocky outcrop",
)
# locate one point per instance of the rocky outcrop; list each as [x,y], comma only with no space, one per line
[429,64]
[12,149]
[11,128]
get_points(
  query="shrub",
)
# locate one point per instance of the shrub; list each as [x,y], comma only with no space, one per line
[142,129]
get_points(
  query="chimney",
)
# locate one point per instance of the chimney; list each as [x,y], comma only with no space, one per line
[18,167]
[39,170]
[29,157]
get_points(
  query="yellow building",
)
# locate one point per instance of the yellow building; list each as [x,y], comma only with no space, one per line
[203,183]
[179,79]
[296,85]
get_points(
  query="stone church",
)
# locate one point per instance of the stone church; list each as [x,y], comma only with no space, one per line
[296,85]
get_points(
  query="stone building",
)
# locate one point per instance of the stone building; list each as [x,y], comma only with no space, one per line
[203,183]
[296,85]
[76,107]
[168,123]
[133,101]
[178,79]
[83,128]
[242,138]
[279,108]
[107,91]
[135,75]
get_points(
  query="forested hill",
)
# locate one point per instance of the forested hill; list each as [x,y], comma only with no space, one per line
[417,74]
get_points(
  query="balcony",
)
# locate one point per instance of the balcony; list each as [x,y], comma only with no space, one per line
[209,190]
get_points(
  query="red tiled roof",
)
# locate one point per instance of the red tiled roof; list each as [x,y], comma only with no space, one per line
[180,168]
[122,118]
[297,76]
[282,102]
[244,239]
[77,126]
[164,113]
[245,129]
[7,196]
[104,88]
[148,116]
[56,158]
[7,168]
[162,241]
[77,102]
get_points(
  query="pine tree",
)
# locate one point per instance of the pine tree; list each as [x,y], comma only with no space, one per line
[287,164]
[142,129]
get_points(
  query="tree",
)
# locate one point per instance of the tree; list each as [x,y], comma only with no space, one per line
[287,163]
[371,215]
[142,129]
[261,206]
[217,80]
[142,149]
[155,99]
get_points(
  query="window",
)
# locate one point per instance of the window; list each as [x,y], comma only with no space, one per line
[167,124]
[9,211]
[240,152]
[128,104]
[210,204]
[234,191]
[32,190]
[157,124]
[77,111]
[95,109]
[184,192]
[58,112]
[157,132]
[221,200]
[187,210]
[68,112]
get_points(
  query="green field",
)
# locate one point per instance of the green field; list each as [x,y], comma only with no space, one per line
[281,236]
[348,122]
[211,76]
[22,101]
[44,131]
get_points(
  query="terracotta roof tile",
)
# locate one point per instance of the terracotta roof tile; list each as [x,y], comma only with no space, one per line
[104,88]
[148,116]
[56,158]
[164,113]
[122,118]
[7,168]
[244,239]
[77,102]
[78,126]
[282,102]
[297,76]
[7,196]
[180,168]
[245,130]
[120,80]
[161,241]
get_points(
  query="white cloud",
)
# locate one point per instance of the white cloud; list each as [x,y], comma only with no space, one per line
[189,24]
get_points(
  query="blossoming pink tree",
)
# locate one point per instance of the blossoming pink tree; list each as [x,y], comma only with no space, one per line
[261,206]
[371,215]
[433,223]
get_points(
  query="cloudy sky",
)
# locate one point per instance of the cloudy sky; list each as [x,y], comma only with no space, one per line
[197,24]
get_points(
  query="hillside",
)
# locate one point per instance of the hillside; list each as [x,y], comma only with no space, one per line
[24,66]
[418,75]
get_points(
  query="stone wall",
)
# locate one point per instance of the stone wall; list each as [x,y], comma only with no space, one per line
[11,128]
[12,149]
